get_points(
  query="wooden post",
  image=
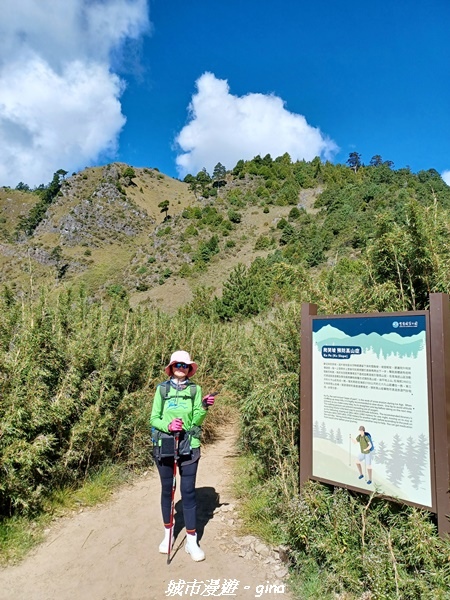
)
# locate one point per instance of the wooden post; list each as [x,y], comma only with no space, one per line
[440,384]
[305,462]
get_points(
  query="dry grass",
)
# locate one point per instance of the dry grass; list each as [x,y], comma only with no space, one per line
[176,291]
[13,205]
[102,258]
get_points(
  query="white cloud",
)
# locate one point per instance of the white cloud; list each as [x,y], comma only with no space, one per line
[226,128]
[446,177]
[59,97]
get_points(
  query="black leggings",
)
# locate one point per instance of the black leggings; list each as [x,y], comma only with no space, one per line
[188,474]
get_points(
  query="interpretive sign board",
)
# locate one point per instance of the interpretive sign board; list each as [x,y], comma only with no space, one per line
[367,412]
[371,372]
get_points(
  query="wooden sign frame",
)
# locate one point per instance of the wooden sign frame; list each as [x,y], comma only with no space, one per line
[438,385]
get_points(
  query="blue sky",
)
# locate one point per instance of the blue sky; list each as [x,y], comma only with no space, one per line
[180,85]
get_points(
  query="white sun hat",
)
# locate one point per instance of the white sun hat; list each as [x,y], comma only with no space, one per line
[184,357]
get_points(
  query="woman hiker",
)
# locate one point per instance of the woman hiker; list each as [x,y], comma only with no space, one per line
[179,411]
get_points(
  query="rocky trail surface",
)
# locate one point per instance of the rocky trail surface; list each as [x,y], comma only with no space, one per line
[111,552]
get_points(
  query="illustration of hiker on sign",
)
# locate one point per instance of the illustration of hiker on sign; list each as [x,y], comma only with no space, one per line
[364,439]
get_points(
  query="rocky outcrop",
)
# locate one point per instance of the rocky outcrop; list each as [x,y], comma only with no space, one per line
[105,213]
[249,547]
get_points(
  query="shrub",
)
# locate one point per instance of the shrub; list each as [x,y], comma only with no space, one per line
[234,216]
[362,544]
[244,293]
[78,375]
[192,212]
[211,216]
[191,230]
[184,271]
[264,242]
[164,231]
[294,213]
[235,198]
[129,172]
[47,195]
[206,250]
[117,291]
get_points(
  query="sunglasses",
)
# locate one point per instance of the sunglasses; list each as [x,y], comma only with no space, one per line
[181,366]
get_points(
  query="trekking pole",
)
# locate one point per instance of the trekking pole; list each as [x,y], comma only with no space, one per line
[349,449]
[174,485]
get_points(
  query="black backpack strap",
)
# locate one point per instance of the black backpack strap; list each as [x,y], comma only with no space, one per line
[163,390]
[193,390]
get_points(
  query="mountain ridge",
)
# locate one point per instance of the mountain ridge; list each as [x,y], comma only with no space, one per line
[106,229]
[118,229]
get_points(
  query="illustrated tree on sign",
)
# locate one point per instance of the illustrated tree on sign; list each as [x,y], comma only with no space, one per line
[396,461]
[381,453]
[164,206]
[421,460]
[316,429]
[410,456]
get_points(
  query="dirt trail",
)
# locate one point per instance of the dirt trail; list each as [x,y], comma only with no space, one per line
[111,552]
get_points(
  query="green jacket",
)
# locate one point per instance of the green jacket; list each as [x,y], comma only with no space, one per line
[178,405]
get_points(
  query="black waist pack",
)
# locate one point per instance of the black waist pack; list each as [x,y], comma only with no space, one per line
[166,448]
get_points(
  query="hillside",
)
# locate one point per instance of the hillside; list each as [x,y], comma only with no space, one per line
[249,245]
[121,231]
[107,230]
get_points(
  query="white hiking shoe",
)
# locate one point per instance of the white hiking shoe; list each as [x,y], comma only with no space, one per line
[164,545]
[193,548]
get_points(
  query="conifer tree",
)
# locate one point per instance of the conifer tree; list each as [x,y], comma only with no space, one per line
[164,206]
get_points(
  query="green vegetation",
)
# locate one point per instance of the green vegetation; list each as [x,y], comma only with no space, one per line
[129,172]
[354,540]
[19,534]
[76,388]
[78,369]
[204,185]
[164,206]
[46,196]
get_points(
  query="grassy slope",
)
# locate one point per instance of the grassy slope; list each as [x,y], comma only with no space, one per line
[101,257]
